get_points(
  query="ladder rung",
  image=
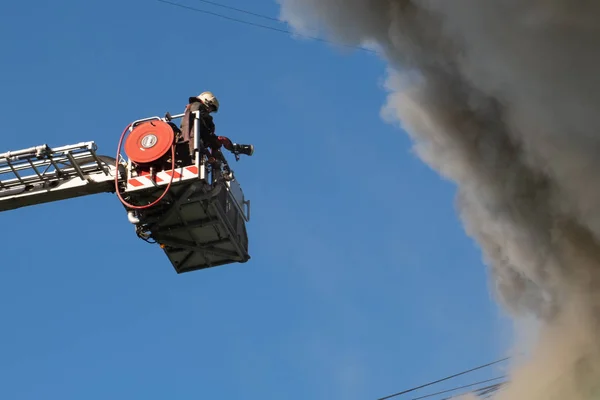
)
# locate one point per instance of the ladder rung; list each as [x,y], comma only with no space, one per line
[98,161]
[34,168]
[14,171]
[74,164]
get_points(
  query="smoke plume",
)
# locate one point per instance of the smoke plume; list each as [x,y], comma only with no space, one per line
[502,97]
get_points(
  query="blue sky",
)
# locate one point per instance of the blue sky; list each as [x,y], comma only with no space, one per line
[362,281]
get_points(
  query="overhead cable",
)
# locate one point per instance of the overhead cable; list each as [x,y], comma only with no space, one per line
[479,392]
[443,379]
[214,3]
[460,387]
[271,28]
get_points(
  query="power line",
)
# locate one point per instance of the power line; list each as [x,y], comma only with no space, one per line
[460,387]
[443,379]
[479,392]
[240,10]
[271,28]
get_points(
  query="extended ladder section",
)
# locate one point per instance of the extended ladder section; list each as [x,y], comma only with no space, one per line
[43,174]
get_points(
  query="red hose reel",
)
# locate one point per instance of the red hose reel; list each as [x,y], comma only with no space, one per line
[146,145]
[149,142]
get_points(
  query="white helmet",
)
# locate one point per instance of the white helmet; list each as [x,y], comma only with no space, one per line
[209,99]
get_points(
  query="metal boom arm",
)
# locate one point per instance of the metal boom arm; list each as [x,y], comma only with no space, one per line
[42,174]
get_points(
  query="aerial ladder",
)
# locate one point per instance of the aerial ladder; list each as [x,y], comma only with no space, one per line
[195,210]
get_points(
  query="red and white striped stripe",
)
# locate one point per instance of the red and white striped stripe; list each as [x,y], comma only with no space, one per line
[162,178]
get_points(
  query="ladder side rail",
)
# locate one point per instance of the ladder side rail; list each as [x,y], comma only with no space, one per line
[63,173]
[58,170]
[24,152]
[27,163]
[38,151]
[42,151]
[91,145]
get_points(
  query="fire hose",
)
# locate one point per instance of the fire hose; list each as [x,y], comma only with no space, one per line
[155,202]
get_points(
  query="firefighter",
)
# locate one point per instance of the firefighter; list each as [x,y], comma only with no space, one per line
[207,103]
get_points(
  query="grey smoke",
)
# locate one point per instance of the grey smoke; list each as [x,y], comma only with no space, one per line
[503,98]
